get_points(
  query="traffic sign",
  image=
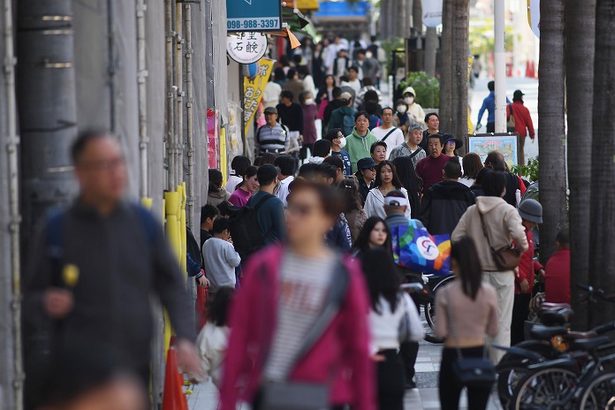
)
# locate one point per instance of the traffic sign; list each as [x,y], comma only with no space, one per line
[246,48]
[253,15]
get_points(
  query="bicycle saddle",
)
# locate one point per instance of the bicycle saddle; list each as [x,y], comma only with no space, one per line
[590,344]
[555,317]
[554,306]
[543,332]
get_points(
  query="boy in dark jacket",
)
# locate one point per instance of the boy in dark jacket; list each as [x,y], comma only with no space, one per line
[445,202]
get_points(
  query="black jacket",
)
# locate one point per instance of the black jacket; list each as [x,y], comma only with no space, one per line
[443,205]
[363,187]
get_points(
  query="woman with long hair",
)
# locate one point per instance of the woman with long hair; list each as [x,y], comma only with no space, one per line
[245,189]
[215,193]
[325,93]
[471,165]
[374,235]
[393,319]
[386,181]
[287,291]
[352,207]
[410,181]
[467,313]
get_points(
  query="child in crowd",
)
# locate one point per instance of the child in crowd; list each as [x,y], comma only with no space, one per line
[213,338]
[219,257]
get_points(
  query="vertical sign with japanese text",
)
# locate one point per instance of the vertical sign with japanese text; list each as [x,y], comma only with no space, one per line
[253,15]
[253,90]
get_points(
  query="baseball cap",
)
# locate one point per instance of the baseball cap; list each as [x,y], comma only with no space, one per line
[271,110]
[346,96]
[518,94]
[395,200]
[366,163]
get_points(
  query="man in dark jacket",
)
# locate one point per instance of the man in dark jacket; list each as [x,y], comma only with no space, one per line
[445,202]
[365,176]
[95,266]
[270,214]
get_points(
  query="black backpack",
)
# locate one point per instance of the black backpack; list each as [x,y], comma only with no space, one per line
[245,230]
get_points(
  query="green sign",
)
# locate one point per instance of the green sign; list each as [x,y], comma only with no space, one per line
[253,15]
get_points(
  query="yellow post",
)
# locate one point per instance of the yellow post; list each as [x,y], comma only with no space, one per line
[147,203]
[172,211]
[223,156]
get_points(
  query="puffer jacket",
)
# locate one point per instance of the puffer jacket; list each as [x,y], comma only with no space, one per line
[443,205]
[503,225]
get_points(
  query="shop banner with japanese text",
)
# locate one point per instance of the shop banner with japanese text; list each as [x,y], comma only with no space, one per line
[253,88]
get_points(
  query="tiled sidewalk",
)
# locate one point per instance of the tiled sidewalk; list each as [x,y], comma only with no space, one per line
[205,397]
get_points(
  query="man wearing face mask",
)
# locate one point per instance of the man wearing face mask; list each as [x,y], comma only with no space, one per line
[401,115]
[415,111]
[338,142]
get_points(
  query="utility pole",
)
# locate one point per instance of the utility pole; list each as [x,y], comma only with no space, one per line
[499,27]
[11,367]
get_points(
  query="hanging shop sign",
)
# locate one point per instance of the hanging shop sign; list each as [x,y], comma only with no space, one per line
[253,89]
[253,15]
[533,16]
[246,48]
[432,13]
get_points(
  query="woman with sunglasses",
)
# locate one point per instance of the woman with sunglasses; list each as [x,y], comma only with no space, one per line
[284,293]
[386,181]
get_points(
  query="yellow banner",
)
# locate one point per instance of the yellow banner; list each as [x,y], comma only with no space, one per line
[306,5]
[253,90]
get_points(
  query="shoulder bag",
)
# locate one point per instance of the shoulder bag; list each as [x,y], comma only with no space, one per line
[472,371]
[506,258]
[388,134]
[290,395]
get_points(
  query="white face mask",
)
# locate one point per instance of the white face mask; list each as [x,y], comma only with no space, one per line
[401,108]
[368,54]
[409,100]
[309,101]
[342,142]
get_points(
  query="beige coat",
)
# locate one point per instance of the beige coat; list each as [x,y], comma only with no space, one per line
[503,225]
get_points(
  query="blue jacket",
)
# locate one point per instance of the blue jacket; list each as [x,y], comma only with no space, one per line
[270,217]
[339,236]
[489,105]
[343,154]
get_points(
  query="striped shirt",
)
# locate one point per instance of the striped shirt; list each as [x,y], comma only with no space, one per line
[303,288]
[272,139]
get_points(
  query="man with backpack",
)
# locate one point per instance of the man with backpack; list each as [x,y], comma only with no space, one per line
[261,221]
[94,268]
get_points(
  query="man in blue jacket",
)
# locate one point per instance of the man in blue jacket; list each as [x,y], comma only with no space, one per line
[489,105]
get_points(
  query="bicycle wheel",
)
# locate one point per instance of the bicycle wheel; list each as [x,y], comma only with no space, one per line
[516,368]
[546,389]
[430,308]
[599,394]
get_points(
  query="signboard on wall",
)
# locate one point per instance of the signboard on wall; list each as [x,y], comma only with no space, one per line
[483,144]
[253,15]
[246,47]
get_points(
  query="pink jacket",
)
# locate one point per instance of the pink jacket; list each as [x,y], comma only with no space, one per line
[342,351]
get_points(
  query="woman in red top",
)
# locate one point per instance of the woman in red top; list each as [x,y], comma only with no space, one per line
[282,296]
[557,272]
[530,211]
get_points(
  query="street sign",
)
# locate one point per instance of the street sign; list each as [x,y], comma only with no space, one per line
[432,13]
[253,15]
[246,48]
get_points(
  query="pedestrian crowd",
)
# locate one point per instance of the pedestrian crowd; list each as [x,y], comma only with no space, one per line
[299,256]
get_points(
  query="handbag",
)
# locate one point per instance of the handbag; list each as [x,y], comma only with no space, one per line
[506,258]
[290,395]
[473,371]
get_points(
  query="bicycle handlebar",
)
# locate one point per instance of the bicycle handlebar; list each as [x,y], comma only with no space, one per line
[596,293]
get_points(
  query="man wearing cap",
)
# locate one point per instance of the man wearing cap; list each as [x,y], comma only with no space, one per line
[430,169]
[396,206]
[271,137]
[530,211]
[415,111]
[523,122]
[410,148]
[344,114]
[365,176]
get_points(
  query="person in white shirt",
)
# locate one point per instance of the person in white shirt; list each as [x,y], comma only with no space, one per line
[239,166]
[271,94]
[387,132]
[393,318]
[287,166]
[212,340]
[387,180]
[353,79]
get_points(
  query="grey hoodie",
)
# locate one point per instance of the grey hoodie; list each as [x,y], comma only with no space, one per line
[503,225]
